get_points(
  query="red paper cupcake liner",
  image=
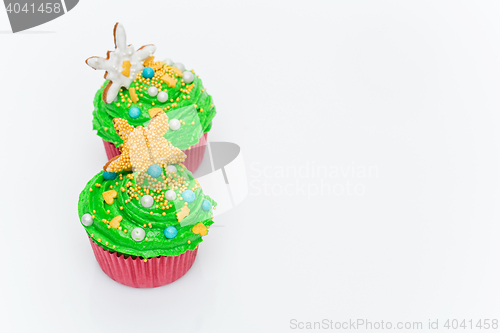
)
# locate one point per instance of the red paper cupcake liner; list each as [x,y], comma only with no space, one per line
[194,154]
[134,272]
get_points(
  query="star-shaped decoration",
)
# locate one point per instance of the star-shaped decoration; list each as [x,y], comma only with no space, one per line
[121,65]
[144,146]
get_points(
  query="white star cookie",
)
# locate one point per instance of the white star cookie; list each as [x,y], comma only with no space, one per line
[121,65]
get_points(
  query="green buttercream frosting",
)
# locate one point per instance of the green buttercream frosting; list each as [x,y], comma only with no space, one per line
[198,109]
[135,215]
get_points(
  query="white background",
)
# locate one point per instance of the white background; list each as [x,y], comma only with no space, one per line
[408,89]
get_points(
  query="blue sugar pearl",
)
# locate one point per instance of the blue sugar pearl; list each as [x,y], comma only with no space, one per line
[154,170]
[188,196]
[148,72]
[134,112]
[109,175]
[170,232]
[206,205]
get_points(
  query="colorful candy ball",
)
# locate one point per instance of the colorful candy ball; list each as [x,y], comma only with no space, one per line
[134,112]
[147,201]
[162,97]
[180,66]
[148,72]
[152,91]
[206,205]
[154,170]
[174,124]
[138,234]
[170,195]
[170,232]
[188,77]
[188,196]
[87,220]
[172,168]
[109,175]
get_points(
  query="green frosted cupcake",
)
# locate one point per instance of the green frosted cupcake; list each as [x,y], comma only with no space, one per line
[137,83]
[145,214]
[121,216]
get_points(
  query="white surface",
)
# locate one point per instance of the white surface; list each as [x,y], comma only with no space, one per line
[404,95]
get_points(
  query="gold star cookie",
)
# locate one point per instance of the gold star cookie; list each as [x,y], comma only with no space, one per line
[143,146]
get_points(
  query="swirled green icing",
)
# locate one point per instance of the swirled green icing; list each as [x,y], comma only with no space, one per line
[199,108]
[134,215]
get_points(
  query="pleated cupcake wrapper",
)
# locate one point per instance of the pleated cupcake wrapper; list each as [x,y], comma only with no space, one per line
[193,159]
[134,272]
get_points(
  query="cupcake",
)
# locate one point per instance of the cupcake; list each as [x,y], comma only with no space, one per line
[135,83]
[145,214]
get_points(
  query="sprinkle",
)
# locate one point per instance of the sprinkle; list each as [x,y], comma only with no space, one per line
[133,95]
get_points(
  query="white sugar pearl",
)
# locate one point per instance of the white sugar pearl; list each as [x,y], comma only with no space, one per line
[180,66]
[152,91]
[174,124]
[188,77]
[168,61]
[87,220]
[162,97]
[172,169]
[147,201]
[138,234]
[170,195]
